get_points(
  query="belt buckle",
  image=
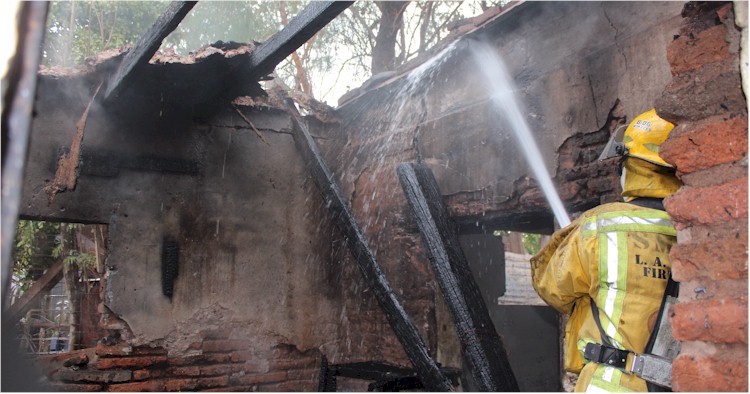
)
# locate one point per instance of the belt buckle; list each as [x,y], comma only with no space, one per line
[606,355]
[616,358]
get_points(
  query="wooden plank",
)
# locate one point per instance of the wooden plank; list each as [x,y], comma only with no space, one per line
[402,325]
[146,46]
[36,291]
[301,28]
[484,350]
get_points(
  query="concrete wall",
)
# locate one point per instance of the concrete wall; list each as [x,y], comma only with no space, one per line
[255,243]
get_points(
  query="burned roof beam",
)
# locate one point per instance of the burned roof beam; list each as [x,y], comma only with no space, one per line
[484,350]
[406,332]
[147,45]
[301,28]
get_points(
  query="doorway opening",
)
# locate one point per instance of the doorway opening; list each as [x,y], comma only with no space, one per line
[529,328]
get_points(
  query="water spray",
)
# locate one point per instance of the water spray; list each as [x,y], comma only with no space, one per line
[500,87]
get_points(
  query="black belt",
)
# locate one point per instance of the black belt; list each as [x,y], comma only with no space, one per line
[607,355]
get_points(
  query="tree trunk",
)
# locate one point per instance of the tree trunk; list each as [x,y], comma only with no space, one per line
[391,21]
[303,82]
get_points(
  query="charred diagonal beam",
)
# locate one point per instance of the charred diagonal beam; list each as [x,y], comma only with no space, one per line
[34,293]
[301,28]
[145,48]
[402,325]
[483,348]
[19,91]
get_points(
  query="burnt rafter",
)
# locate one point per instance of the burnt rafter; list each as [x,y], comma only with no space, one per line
[147,45]
[484,350]
[301,28]
[427,369]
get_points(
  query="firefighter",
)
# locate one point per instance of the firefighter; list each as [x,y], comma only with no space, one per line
[609,268]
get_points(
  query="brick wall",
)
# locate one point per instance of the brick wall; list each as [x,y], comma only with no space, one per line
[217,363]
[709,148]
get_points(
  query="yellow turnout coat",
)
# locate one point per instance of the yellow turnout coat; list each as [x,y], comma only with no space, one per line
[617,255]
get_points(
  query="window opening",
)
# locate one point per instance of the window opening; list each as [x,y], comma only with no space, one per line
[56,285]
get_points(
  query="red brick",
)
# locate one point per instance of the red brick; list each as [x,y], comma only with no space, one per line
[130,362]
[224,345]
[146,374]
[722,371]
[149,351]
[137,386]
[94,376]
[191,370]
[715,321]
[240,356]
[76,387]
[714,89]
[246,379]
[214,381]
[302,362]
[216,358]
[692,51]
[120,349]
[299,386]
[718,259]
[697,146]
[219,369]
[180,384]
[234,389]
[195,346]
[303,374]
[708,205]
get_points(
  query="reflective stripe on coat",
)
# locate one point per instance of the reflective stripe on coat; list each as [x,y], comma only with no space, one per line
[616,254]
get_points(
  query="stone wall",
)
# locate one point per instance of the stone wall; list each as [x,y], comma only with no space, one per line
[709,148]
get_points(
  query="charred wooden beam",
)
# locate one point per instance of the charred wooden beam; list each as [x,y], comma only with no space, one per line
[19,91]
[402,325]
[34,293]
[301,28]
[483,348]
[145,48]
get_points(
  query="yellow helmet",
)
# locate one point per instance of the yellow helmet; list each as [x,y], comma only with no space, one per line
[644,137]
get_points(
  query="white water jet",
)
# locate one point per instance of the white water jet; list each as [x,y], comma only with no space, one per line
[500,87]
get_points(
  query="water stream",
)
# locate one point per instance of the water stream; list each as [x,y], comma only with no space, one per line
[500,87]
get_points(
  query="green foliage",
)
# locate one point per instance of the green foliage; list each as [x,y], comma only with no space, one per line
[35,248]
[79,29]
[531,242]
[341,53]
[40,244]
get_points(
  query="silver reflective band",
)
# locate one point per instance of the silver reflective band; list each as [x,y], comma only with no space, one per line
[620,220]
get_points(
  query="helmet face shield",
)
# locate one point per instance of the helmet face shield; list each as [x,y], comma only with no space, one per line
[614,147]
